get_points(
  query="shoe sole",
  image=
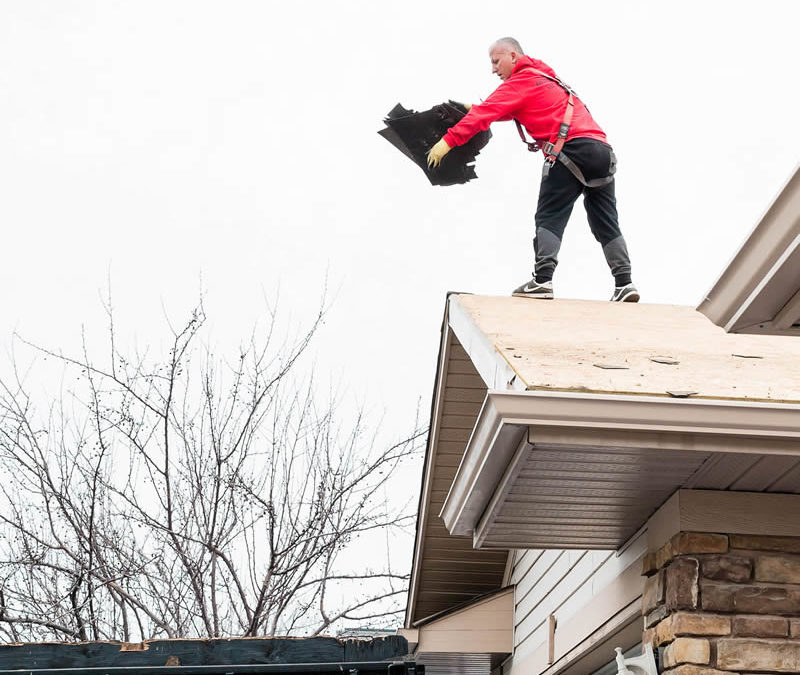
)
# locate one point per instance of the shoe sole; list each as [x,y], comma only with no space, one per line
[535,296]
[629,297]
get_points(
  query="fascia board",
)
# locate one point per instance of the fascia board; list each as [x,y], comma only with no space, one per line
[490,364]
[757,262]
[715,426]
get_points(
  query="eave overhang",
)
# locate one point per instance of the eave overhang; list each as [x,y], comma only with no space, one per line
[759,291]
[570,470]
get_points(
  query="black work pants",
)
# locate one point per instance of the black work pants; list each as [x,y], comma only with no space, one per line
[557,194]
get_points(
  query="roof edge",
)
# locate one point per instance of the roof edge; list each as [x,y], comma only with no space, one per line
[756,261]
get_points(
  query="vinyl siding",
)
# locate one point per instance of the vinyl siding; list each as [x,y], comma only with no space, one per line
[560,582]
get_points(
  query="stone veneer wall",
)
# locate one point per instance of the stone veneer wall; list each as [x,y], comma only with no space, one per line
[716,604]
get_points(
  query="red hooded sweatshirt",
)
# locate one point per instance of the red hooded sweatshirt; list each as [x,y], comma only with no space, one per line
[536,102]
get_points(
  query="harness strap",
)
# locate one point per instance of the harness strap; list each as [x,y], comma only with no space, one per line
[552,150]
[533,146]
[574,169]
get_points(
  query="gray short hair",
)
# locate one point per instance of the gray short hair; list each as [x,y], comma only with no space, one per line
[511,43]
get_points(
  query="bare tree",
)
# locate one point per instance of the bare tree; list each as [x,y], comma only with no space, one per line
[189,495]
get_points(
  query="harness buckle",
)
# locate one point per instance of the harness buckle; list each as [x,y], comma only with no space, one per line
[533,147]
[548,148]
[549,160]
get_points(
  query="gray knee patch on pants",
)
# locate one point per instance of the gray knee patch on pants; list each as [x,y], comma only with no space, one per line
[616,253]
[546,245]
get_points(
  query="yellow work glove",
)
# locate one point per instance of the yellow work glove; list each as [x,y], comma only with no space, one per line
[437,152]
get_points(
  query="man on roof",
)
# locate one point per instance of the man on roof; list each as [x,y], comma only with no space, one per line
[578,161]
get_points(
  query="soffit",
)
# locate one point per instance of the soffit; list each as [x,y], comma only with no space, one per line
[759,291]
[446,570]
[586,471]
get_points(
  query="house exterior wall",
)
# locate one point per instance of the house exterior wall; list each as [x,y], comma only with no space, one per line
[565,584]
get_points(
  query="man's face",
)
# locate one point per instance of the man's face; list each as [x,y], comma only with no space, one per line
[503,61]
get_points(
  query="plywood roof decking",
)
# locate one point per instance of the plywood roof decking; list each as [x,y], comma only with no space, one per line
[558,346]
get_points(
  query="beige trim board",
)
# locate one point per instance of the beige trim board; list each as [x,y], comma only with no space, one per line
[412,635]
[724,512]
[485,626]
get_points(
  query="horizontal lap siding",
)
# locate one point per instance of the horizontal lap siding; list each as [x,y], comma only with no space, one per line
[560,582]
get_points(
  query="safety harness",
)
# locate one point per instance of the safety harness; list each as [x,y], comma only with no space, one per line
[552,150]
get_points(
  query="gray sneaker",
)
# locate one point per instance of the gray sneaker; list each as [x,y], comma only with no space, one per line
[627,293]
[543,291]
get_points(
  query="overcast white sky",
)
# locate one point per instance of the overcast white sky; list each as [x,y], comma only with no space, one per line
[170,142]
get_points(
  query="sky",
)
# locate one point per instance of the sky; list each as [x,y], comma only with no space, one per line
[179,148]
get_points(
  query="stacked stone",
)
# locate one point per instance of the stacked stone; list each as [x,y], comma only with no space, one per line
[716,604]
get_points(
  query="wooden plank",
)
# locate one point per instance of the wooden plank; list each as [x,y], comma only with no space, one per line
[470,589]
[443,479]
[454,393]
[447,462]
[448,544]
[457,352]
[455,435]
[466,382]
[481,561]
[457,422]
[200,652]
[461,367]
[462,408]
[465,576]
[450,448]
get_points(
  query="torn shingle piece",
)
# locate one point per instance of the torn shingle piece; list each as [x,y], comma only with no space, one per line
[415,133]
